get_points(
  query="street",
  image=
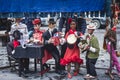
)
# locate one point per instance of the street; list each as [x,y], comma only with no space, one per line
[102,65]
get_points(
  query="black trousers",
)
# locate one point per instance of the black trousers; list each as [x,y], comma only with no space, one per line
[63,49]
[55,54]
[90,65]
[25,64]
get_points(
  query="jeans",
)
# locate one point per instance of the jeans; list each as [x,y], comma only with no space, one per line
[55,54]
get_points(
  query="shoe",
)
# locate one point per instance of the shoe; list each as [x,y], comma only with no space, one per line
[75,73]
[107,72]
[69,76]
[114,73]
[92,77]
[87,76]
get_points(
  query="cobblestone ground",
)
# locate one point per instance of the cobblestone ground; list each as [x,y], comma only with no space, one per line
[7,75]
[103,62]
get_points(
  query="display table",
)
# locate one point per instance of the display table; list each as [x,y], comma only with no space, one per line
[31,51]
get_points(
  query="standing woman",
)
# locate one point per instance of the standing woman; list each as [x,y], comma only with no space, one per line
[72,54]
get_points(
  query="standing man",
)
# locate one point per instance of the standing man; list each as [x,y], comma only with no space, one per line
[92,52]
[50,47]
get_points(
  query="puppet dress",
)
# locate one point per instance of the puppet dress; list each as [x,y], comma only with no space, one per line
[38,35]
[71,55]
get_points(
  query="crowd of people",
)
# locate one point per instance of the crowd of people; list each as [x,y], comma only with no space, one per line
[74,41]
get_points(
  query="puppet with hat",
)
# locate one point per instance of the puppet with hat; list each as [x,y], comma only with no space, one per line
[37,39]
[84,43]
[92,51]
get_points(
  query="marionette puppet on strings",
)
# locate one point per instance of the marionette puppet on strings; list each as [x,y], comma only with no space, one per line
[72,54]
[92,51]
[51,41]
[36,38]
[111,40]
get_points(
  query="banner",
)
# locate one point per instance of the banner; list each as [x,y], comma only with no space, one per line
[51,5]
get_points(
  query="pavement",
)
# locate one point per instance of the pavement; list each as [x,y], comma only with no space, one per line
[101,66]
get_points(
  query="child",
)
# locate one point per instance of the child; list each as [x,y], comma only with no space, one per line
[72,53]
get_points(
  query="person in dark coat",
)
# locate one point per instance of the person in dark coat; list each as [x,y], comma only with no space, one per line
[50,47]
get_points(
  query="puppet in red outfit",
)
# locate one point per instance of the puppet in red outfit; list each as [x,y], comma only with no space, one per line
[37,39]
[72,54]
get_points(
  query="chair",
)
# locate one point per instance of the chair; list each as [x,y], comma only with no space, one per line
[13,63]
